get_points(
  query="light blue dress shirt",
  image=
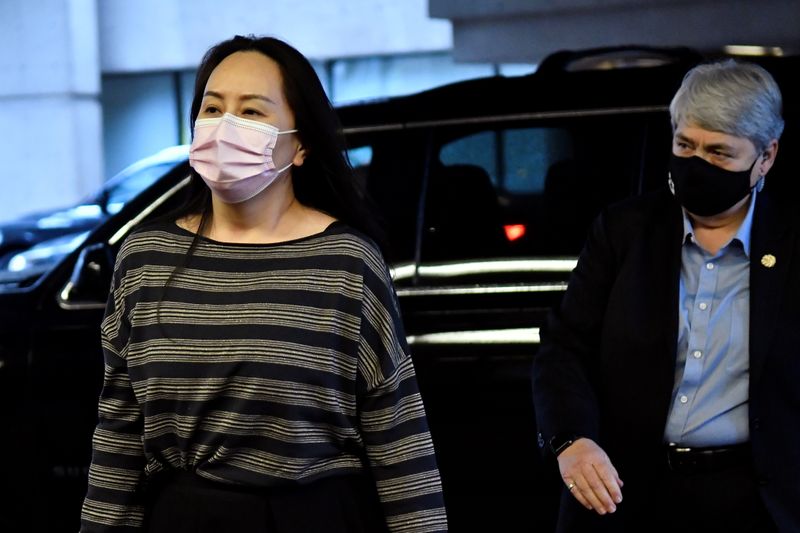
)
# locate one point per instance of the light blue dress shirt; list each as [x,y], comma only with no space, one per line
[712,372]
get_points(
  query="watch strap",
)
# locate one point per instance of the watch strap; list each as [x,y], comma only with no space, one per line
[561,441]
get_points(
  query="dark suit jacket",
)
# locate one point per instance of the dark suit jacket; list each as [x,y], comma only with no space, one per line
[607,362]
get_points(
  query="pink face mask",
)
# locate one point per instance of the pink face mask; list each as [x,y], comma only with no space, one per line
[233,155]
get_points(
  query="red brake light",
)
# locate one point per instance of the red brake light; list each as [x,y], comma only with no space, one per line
[514,231]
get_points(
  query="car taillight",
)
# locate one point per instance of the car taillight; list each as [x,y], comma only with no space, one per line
[514,231]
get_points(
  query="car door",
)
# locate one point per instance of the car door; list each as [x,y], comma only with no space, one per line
[506,207]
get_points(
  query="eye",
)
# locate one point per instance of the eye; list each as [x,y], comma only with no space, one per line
[251,111]
[210,108]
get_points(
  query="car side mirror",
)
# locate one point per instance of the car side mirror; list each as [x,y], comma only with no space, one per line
[90,281]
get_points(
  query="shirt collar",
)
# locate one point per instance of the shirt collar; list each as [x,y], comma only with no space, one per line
[742,235]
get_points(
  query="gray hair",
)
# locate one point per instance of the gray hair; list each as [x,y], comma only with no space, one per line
[732,97]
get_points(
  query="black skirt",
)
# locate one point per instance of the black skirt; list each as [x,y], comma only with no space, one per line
[183,502]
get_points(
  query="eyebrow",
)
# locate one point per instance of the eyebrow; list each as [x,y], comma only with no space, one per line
[249,96]
[712,146]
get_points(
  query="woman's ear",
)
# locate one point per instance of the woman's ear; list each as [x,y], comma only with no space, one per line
[299,156]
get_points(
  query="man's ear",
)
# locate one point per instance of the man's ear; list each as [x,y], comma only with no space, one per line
[768,157]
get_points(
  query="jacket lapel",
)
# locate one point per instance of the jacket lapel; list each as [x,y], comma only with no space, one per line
[665,246]
[770,260]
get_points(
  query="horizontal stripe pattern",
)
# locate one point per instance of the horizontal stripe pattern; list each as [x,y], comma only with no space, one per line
[295,394]
[259,365]
[254,351]
[231,423]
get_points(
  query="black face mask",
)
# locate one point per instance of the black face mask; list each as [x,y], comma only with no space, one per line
[705,189]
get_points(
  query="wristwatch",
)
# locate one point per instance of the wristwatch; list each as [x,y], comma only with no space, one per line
[561,441]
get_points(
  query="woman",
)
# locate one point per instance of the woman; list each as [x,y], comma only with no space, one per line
[257,376]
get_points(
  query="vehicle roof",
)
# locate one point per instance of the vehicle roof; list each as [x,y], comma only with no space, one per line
[171,154]
[553,87]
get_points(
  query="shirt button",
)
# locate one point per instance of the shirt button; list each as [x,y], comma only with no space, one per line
[697,354]
[703,306]
[684,399]
[710,266]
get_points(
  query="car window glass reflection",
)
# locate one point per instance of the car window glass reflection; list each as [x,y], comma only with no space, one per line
[527,191]
[119,195]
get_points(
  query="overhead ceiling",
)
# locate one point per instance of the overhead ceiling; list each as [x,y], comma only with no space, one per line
[508,31]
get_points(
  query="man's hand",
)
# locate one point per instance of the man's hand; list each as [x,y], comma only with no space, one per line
[590,477]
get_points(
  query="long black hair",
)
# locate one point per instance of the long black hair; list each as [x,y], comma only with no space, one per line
[325,180]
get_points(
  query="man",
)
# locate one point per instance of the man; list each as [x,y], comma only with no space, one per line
[668,382]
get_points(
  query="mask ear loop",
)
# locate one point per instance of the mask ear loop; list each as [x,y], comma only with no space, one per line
[671,184]
[761,178]
[291,163]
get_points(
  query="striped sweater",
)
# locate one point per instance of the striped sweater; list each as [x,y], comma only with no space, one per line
[262,365]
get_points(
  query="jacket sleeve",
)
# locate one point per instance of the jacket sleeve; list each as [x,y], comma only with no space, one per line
[392,416]
[113,501]
[568,359]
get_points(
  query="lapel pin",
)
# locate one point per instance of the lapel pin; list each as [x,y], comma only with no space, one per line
[768,260]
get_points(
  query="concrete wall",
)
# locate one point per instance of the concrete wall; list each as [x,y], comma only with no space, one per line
[49,88]
[57,50]
[173,34]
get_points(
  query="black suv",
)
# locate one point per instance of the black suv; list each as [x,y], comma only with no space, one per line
[32,244]
[486,188]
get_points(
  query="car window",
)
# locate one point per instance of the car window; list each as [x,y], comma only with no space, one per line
[515,190]
[507,157]
[360,157]
[390,166]
[132,185]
